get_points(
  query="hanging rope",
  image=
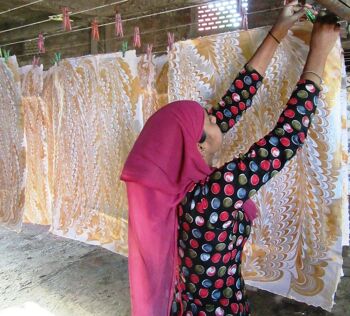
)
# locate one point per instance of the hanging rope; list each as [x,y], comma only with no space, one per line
[47,20]
[20,7]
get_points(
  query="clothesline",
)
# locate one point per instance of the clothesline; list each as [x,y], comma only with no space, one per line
[72,14]
[134,18]
[114,39]
[20,7]
[127,36]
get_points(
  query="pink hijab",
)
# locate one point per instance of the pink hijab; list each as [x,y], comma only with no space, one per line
[163,164]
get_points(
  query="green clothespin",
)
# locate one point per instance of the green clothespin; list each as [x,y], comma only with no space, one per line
[310,16]
[56,59]
[7,55]
[4,53]
[124,47]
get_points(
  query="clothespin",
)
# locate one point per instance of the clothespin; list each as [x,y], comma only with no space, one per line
[137,37]
[56,59]
[310,16]
[171,40]
[5,54]
[118,25]
[124,47]
[66,20]
[36,61]
[94,30]
[41,44]
[149,52]
[244,19]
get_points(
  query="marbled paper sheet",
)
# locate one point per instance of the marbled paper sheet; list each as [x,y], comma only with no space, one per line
[92,103]
[296,247]
[12,147]
[36,128]
[81,118]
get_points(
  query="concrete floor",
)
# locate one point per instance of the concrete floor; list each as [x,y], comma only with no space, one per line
[45,275]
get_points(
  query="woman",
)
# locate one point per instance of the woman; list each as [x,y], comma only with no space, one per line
[188,221]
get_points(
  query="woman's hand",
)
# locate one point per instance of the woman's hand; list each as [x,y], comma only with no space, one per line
[290,14]
[323,37]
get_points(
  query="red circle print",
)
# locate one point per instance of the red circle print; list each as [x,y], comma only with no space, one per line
[186,227]
[309,105]
[194,243]
[262,142]
[293,101]
[204,203]
[276,164]
[215,188]
[242,166]
[188,262]
[216,258]
[239,84]
[230,281]
[224,216]
[234,308]
[241,106]
[265,165]
[194,278]
[219,115]
[203,293]
[219,283]
[222,237]
[289,113]
[254,180]
[234,109]
[229,189]
[226,258]
[224,302]
[199,207]
[209,236]
[255,76]
[285,141]
[252,90]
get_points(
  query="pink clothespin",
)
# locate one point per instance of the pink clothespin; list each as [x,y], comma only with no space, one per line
[41,45]
[149,52]
[137,37]
[118,25]
[66,20]
[244,19]
[171,40]
[94,30]
[36,61]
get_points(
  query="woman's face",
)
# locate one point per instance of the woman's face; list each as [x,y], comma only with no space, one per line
[213,140]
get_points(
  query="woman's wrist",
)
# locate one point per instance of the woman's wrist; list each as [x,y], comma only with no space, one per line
[279,32]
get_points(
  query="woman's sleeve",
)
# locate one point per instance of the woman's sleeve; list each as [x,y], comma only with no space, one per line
[242,177]
[237,99]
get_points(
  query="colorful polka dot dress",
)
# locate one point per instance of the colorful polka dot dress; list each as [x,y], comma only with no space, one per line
[213,227]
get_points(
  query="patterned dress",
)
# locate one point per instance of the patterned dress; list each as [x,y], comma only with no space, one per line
[213,227]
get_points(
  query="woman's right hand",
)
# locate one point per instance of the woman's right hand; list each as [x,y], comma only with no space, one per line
[324,35]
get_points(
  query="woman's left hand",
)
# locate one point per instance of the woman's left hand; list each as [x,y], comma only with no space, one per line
[290,14]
